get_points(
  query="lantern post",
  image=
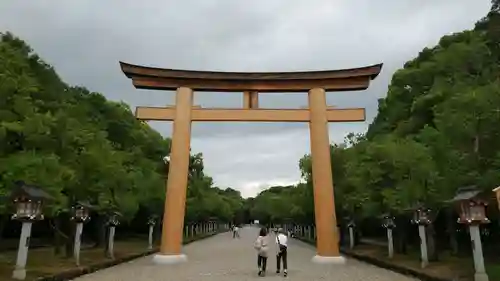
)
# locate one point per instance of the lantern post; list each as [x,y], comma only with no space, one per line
[212,222]
[151,223]
[112,223]
[388,222]
[28,201]
[422,218]
[80,215]
[472,212]
[497,193]
[351,225]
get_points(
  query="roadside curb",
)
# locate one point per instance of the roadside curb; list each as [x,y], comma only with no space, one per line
[77,272]
[384,264]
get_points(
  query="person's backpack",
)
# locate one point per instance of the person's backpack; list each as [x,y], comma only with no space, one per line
[282,247]
[257,244]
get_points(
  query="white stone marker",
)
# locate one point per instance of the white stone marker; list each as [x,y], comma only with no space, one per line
[423,246]
[78,242]
[150,237]
[22,252]
[390,243]
[111,241]
[477,252]
[351,237]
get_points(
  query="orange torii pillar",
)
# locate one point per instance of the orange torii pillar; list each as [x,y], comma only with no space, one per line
[177,181]
[324,204]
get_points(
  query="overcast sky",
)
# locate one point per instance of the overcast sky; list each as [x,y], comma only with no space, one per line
[84,40]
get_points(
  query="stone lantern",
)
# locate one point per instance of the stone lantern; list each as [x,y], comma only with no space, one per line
[81,212]
[211,224]
[28,201]
[471,207]
[113,219]
[151,223]
[388,222]
[422,218]
[113,222]
[351,225]
[472,212]
[497,193]
[80,215]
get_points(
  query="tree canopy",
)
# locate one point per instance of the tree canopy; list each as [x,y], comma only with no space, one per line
[77,145]
[435,131]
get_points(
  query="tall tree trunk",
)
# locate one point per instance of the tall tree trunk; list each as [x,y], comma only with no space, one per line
[58,239]
[401,238]
[357,236]
[3,223]
[70,241]
[106,244]
[157,231]
[452,232]
[101,232]
[431,242]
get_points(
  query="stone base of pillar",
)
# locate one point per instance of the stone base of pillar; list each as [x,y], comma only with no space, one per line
[481,277]
[19,274]
[169,259]
[328,260]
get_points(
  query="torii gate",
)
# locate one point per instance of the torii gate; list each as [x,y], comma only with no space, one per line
[251,84]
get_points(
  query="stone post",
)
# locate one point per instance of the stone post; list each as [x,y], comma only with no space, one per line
[111,241]
[390,243]
[22,252]
[351,237]
[150,237]
[78,242]
[423,246]
[477,252]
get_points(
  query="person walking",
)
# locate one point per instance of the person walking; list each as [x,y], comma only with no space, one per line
[236,233]
[282,255]
[262,247]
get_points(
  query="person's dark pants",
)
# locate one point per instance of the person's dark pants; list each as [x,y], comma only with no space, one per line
[282,256]
[262,263]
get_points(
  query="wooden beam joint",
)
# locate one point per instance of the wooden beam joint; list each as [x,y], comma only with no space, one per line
[250,100]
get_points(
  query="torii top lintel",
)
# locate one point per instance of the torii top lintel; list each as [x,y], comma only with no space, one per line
[353,79]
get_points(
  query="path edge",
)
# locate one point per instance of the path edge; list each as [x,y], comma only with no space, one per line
[383,264]
[77,272]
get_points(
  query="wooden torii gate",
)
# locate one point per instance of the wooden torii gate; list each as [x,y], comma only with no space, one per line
[318,114]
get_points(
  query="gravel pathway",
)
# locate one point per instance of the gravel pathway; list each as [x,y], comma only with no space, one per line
[222,258]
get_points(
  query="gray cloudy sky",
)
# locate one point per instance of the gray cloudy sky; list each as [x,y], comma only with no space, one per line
[84,40]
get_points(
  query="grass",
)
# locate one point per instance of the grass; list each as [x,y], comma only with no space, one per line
[448,266]
[493,270]
[42,261]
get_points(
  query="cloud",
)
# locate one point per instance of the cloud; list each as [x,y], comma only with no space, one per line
[84,40]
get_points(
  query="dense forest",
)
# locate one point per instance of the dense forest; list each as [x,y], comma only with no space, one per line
[78,146]
[436,131]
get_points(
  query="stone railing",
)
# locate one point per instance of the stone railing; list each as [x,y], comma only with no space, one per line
[195,229]
[305,231]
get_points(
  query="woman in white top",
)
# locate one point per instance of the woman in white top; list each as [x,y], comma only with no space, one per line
[282,244]
[262,248]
